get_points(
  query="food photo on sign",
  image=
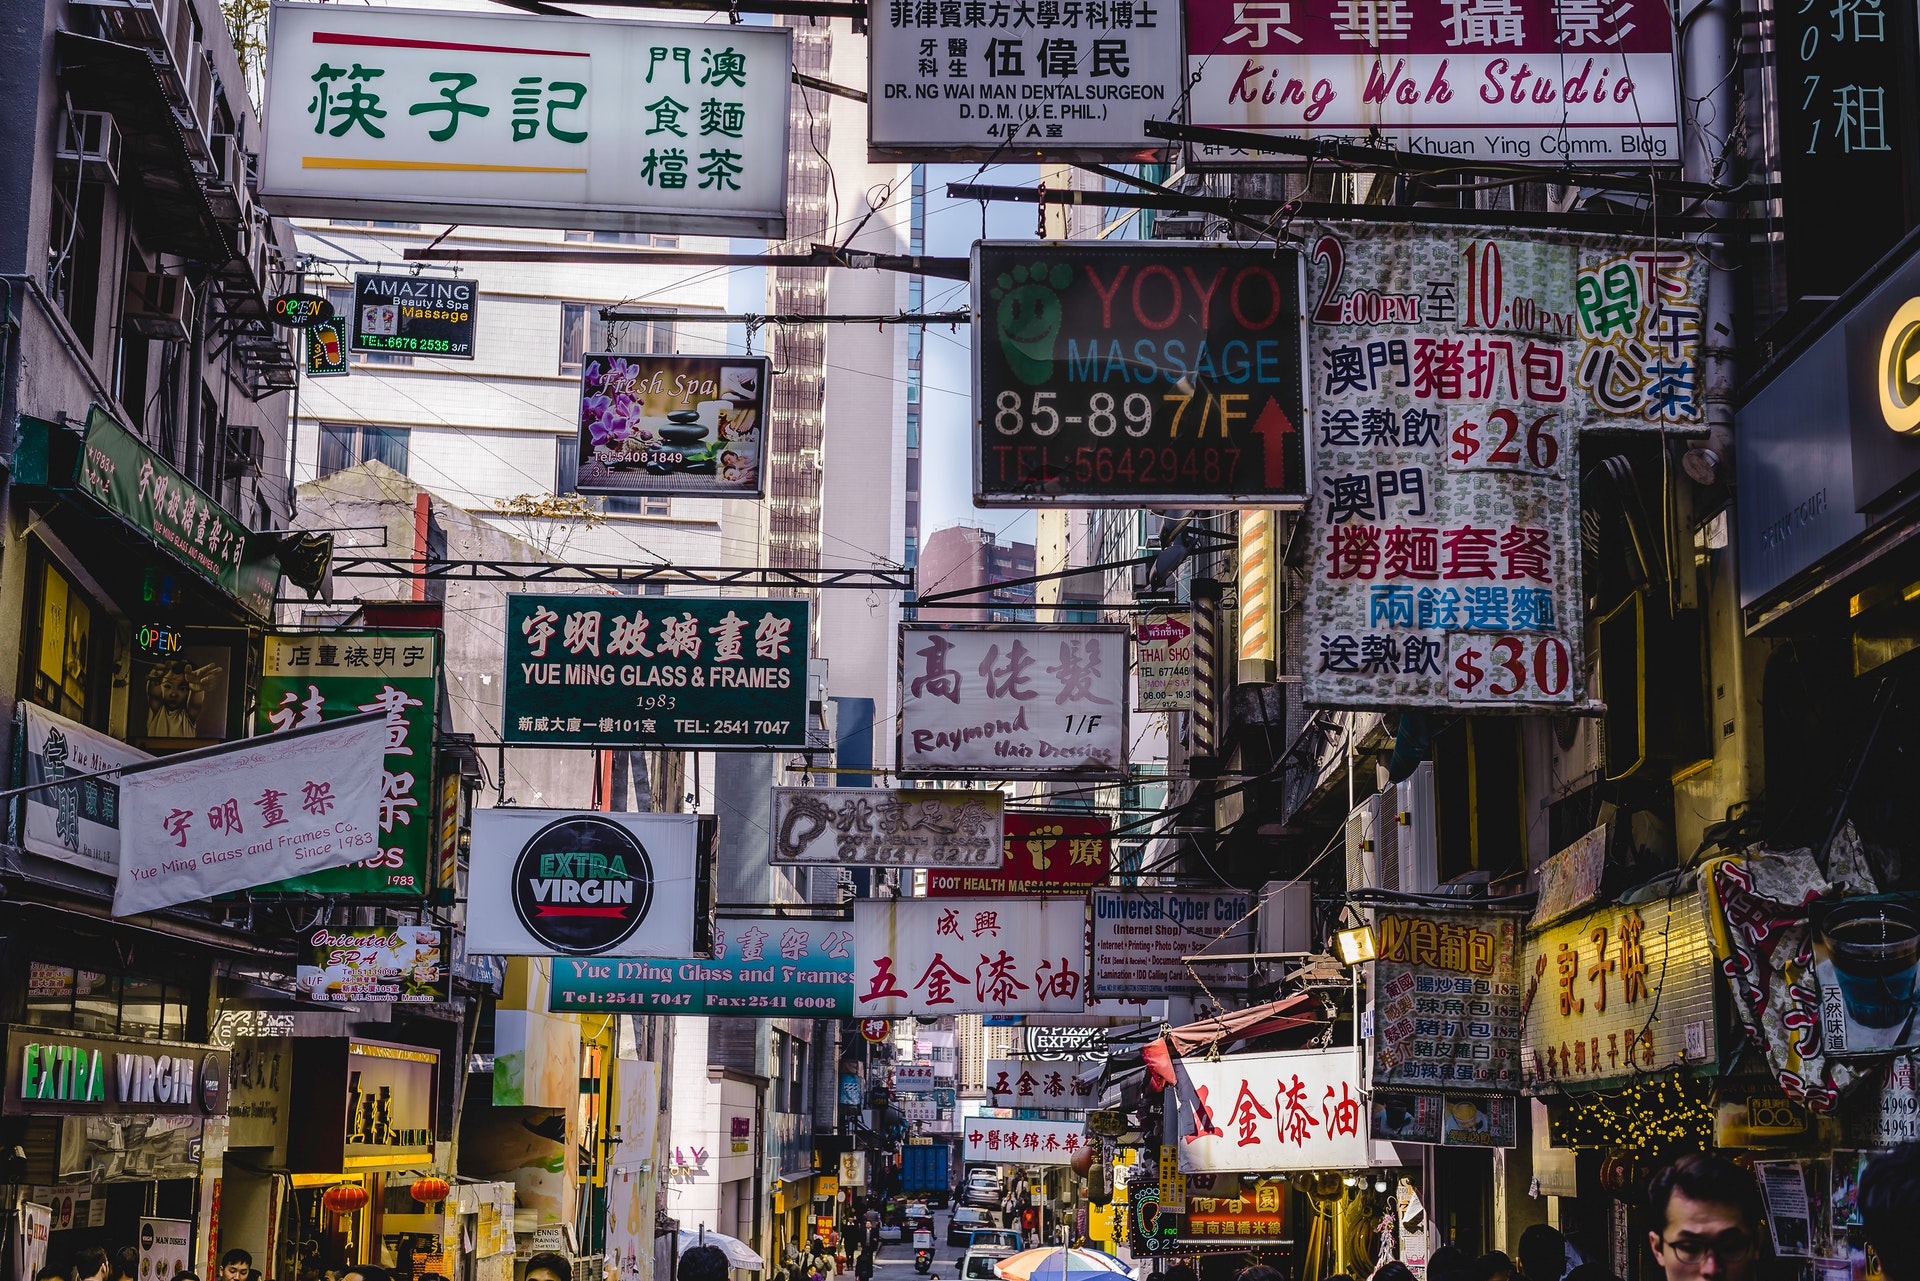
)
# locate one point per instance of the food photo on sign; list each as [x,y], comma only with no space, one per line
[1866,963]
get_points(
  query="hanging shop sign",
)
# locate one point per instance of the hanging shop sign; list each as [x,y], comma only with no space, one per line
[405,965]
[957,84]
[76,823]
[1453,373]
[1866,955]
[308,678]
[994,1141]
[118,470]
[1571,879]
[853,1169]
[1142,940]
[52,1073]
[1042,854]
[761,968]
[1013,701]
[914,1077]
[299,311]
[931,957]
[918,1110]
[1163,654]
[1265,1112]
[689,672]
[1109,375]
[566,883]
[1072,1083]
[1447,995]
[1256,1215]
[438,116]
[249,814]
[1625,990]
[1529,82]
[687,425]
[887,827]
[1053,1044]
[363,1105]
[414,315]
[326,351]
[1449,1120]
[874,1031]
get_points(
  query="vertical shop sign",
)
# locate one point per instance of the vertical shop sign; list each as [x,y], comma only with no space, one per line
[1447,1000]
[1163,647]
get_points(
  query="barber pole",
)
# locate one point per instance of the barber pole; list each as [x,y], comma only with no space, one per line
[1206,642]
[1257,649]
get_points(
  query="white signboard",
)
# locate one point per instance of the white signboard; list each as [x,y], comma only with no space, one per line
[1164,645]
[1301,1110]
[954,82]
[571,883]
[930,957]
[887,827]
[853,1169]
[914,1077]
[918,1109]
[1142,939]
[77,823]
[995,1142]
[166,1247]
[553,121]
[1015,1083]
[250,814]
[1013,701]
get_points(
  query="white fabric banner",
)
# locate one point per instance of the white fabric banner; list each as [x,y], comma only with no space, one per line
[257,812]
[1023,1142]
[77,823]
[1299,1110]
[930,957]
[1018,1083]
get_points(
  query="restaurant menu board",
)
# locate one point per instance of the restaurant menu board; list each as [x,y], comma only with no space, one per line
[1447,998]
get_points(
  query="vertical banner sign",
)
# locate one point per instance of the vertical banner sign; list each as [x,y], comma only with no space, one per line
[930,957]
[1447,1000]
[1163,656]
[310,677]
[327,348]
[1528,81]
[77,823]
[1109,375]
[1453,374]
[1300,1110]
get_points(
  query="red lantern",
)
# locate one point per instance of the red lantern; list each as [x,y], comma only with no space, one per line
[345,1198]
[429,1188]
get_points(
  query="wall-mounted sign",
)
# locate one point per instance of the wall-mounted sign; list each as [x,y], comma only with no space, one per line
[913,1077]
[930,957]
[547,122]
[1447,995]
[414,315]
[1257,1214]
[1070,1083]
[1299,1110]
[297,311]
[77,823]
[998,1142]
[1042,854]
[1866,957]
[1113,375]
[52,1073]
[690,425]
[1529,82]
[1879,1116]
[1571,878]
[1142,940]
[1013,701]
[406,965]
[564,883]
[690,672]
[326,351]
[1163,648]
[887,827]
[760,968]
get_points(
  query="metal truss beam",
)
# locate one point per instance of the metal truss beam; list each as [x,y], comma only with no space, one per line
[511,571]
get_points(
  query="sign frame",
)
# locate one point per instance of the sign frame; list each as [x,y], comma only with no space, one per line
[750,402]
[429,344]
[716,987]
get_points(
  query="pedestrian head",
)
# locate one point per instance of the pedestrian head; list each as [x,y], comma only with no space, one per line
[1259,1272]
[1543,1253]
[548,1266]
[235,1264]
[1704,1217]
[126,1263]
[366,1272]
[1495,1265]
[1393,1270]
[1180,1272]
[703,1263]
[89,1264]
[1449,1263]
[1889,1207]
[50,1274]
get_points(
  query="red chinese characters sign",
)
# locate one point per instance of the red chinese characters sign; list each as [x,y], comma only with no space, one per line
[1302,1110]
[930,957]
[1044,854]
[1447,1000]
[1023,1142]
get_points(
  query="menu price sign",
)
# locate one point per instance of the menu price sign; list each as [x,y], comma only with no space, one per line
[1447,990]
[1109,375]
[415,315]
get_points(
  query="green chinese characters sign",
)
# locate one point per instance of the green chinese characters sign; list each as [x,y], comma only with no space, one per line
[703,674]
[119,472]
[309,677]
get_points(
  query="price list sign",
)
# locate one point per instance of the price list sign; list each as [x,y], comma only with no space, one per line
[1452,375]
[1110,375]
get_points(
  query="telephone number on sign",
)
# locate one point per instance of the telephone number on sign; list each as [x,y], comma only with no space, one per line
[1103,464]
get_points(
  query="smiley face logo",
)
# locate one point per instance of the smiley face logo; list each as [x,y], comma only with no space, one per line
[1898,374]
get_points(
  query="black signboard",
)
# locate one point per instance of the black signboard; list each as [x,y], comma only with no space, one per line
[414,315]
[1110,375]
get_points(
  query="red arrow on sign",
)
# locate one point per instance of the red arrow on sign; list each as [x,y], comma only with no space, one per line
[1273,427]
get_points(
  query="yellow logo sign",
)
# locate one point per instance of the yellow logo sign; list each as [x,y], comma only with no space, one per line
[1898,373]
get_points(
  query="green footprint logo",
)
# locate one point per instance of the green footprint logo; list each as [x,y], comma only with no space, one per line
[1028,318]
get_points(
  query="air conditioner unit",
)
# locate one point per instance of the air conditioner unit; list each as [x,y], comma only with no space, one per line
[1386,836]
[1417,827]
[1286,917]
[89,144]
[158,304]
[245,452]
[1363,861]
[1576,755]
[226,157]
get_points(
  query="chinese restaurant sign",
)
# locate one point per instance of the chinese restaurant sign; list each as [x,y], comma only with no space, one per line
[645,672]
[1530,81]
[1447,1000]
[1042,854]
[672,424]
[556,121]
[1013,701]
[886,827]
[1302,1110]
[955,81]
[77,823]
[119,472]
[1013,1083]
[404,965]
[1453,374]
[1228,1210]
[418,315]
[307,678]
[930,957]
[761,968]
[993,1141]
[1142,939]
[1619,992]
[1114,375]
[1164,645]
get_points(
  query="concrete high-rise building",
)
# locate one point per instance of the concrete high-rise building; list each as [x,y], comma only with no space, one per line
[963,556]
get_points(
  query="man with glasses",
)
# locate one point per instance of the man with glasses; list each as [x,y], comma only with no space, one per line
[1890,1208]
[1708,1214]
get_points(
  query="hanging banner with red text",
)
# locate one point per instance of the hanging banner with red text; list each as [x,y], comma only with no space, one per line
[1042,854]
[1453,373]
[1302,1110]
[997,1142]
[1447,995]
[930,957]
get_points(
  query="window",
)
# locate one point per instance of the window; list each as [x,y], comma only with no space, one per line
[64,657]
[108,1004]
[378,226]
[344,445]
[566,474]
[341,296]
[639,239]
[582,331]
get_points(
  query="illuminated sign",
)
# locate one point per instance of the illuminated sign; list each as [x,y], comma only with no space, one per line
[1898,373]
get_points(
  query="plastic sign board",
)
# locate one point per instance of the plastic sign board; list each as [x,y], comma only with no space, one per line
[887,827]
[1042,854]
[406,965]
[930,957]
[672,424]
[760,968]
[449,116]
[1163,648]
[1256,1113]
[1013,1083]
[326,352]
[414,315]
[1116,375]
[1447,999]
[1521,81]
[1142,940]
[991,1141]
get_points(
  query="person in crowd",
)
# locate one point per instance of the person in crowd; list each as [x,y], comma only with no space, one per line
[548,1266]
[1180,1272]
[1889,1202]
[374,1272]
[1449,1263]
[1393,1270]
[863,1266]
[1340,1276]
[1705,1212]
[90,1264]
[703,1263]
[1495,1265]
[235,1264]
[1543,1253]
[50,1273]
[1259,1272]
[126,1263]
[1590,1272]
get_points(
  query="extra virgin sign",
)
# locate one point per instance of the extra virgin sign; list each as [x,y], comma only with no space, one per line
[1115,374]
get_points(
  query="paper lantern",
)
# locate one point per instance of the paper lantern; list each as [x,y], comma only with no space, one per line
[429,1188]
[344,1198]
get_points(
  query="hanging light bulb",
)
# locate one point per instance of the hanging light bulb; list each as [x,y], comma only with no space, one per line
[1379,1185]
